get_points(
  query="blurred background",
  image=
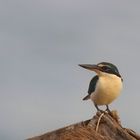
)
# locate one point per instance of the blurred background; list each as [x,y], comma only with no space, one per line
[42,43]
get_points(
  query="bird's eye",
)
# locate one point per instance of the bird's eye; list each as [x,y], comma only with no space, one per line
[105,68]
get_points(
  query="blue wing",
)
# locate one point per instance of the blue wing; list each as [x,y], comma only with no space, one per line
[92,87]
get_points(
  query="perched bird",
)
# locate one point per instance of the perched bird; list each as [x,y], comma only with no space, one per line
[106,86]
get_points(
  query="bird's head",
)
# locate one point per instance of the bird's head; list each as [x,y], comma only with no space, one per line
[103,67]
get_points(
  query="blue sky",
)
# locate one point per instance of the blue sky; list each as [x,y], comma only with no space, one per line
[41,45]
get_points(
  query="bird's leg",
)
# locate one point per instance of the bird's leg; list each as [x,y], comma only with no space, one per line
[97,108]
[107,109]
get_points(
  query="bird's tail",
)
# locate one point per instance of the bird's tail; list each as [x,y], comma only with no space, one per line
[87,97]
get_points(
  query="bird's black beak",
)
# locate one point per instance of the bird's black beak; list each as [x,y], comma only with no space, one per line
[95,68]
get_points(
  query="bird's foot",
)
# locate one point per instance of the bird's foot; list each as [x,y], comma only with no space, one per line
[102,111]
[108,111]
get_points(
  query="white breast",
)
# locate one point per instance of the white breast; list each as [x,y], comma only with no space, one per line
[107,89]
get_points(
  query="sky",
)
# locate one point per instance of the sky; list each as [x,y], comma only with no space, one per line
[42,43]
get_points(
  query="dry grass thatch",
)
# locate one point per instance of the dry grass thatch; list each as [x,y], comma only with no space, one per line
[102,126]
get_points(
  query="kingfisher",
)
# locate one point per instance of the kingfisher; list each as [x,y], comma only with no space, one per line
[104,87]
